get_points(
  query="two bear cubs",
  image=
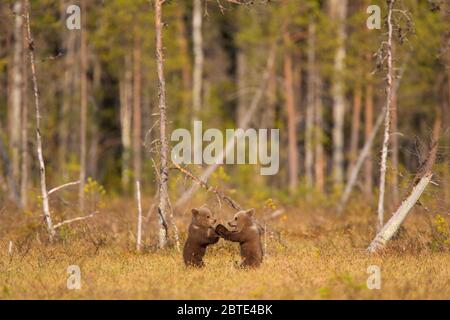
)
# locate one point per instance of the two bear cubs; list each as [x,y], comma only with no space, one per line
[203,232]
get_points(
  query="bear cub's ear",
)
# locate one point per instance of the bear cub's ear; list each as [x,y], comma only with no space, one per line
[250,212]
[194,212]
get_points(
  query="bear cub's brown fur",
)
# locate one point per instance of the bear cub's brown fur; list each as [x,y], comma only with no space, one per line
[246,231]
[201,234]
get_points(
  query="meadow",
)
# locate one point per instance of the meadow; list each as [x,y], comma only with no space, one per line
[310,254]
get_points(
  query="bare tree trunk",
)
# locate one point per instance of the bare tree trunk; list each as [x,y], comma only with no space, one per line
[24,133]
[320,161]
[391,227]
[338,11]
[291,117]
[310,104]
[198,57]
[137,122]
[44,193]
[356,116]
[84,98]
[368,128]
[244,124]
[16,91]
[163,168]
[384,151]
[93,154]
[394,147]
[125,89]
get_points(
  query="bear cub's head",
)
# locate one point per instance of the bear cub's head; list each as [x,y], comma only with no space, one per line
[203,217]
[241,220]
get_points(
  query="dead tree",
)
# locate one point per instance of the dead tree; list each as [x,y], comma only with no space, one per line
[384,151]
[51,228]
[418,185]
[164,147]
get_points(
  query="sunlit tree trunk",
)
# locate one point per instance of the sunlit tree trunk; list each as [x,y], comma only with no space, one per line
[24,134]
[356,116]
[368,127]
[310,104]
[137,153]
[319,153]
[291,116]
[198,57]
[16,91]
[163,205]
[84,102]
[338,12]
[389,86]
[125,91]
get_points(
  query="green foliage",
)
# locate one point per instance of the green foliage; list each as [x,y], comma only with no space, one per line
[440,234]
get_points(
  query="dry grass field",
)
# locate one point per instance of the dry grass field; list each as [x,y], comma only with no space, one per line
[315,256]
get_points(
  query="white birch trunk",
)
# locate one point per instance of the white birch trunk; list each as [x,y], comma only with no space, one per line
[384,151]
[198,57]
[399,216]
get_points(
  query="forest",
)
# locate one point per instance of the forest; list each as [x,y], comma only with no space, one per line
[121,121]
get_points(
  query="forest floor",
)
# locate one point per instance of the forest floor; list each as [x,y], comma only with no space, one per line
[319,257]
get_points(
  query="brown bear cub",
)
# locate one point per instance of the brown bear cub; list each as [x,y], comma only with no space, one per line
[200,235]
[246,231]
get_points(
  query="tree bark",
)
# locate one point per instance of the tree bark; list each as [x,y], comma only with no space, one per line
[16,91]
[163,168]
[320,158]
[198,57]
[356,116]
[186,71]
[137,122]
[84,101]
[125,89]
[384,151]
[368,128]
[291,114]
[338,11]
[24,134]
[310,104]
[43,183]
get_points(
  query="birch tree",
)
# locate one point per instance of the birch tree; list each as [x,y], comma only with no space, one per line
[338,11]
[384,150]
[197,40]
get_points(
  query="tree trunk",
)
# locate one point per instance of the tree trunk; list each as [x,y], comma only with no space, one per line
[137,153]
[368,128]
[384,151]
[320,161]
[291,116]
[394,147]
[241,83]
[84,101]
[338,11]
[310,104]
[356,116]
[163,168]
[24,134]
[198,57]
[16,91]
[44,193]
[125,89]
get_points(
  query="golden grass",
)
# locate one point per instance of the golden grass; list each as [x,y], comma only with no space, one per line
[322,258]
